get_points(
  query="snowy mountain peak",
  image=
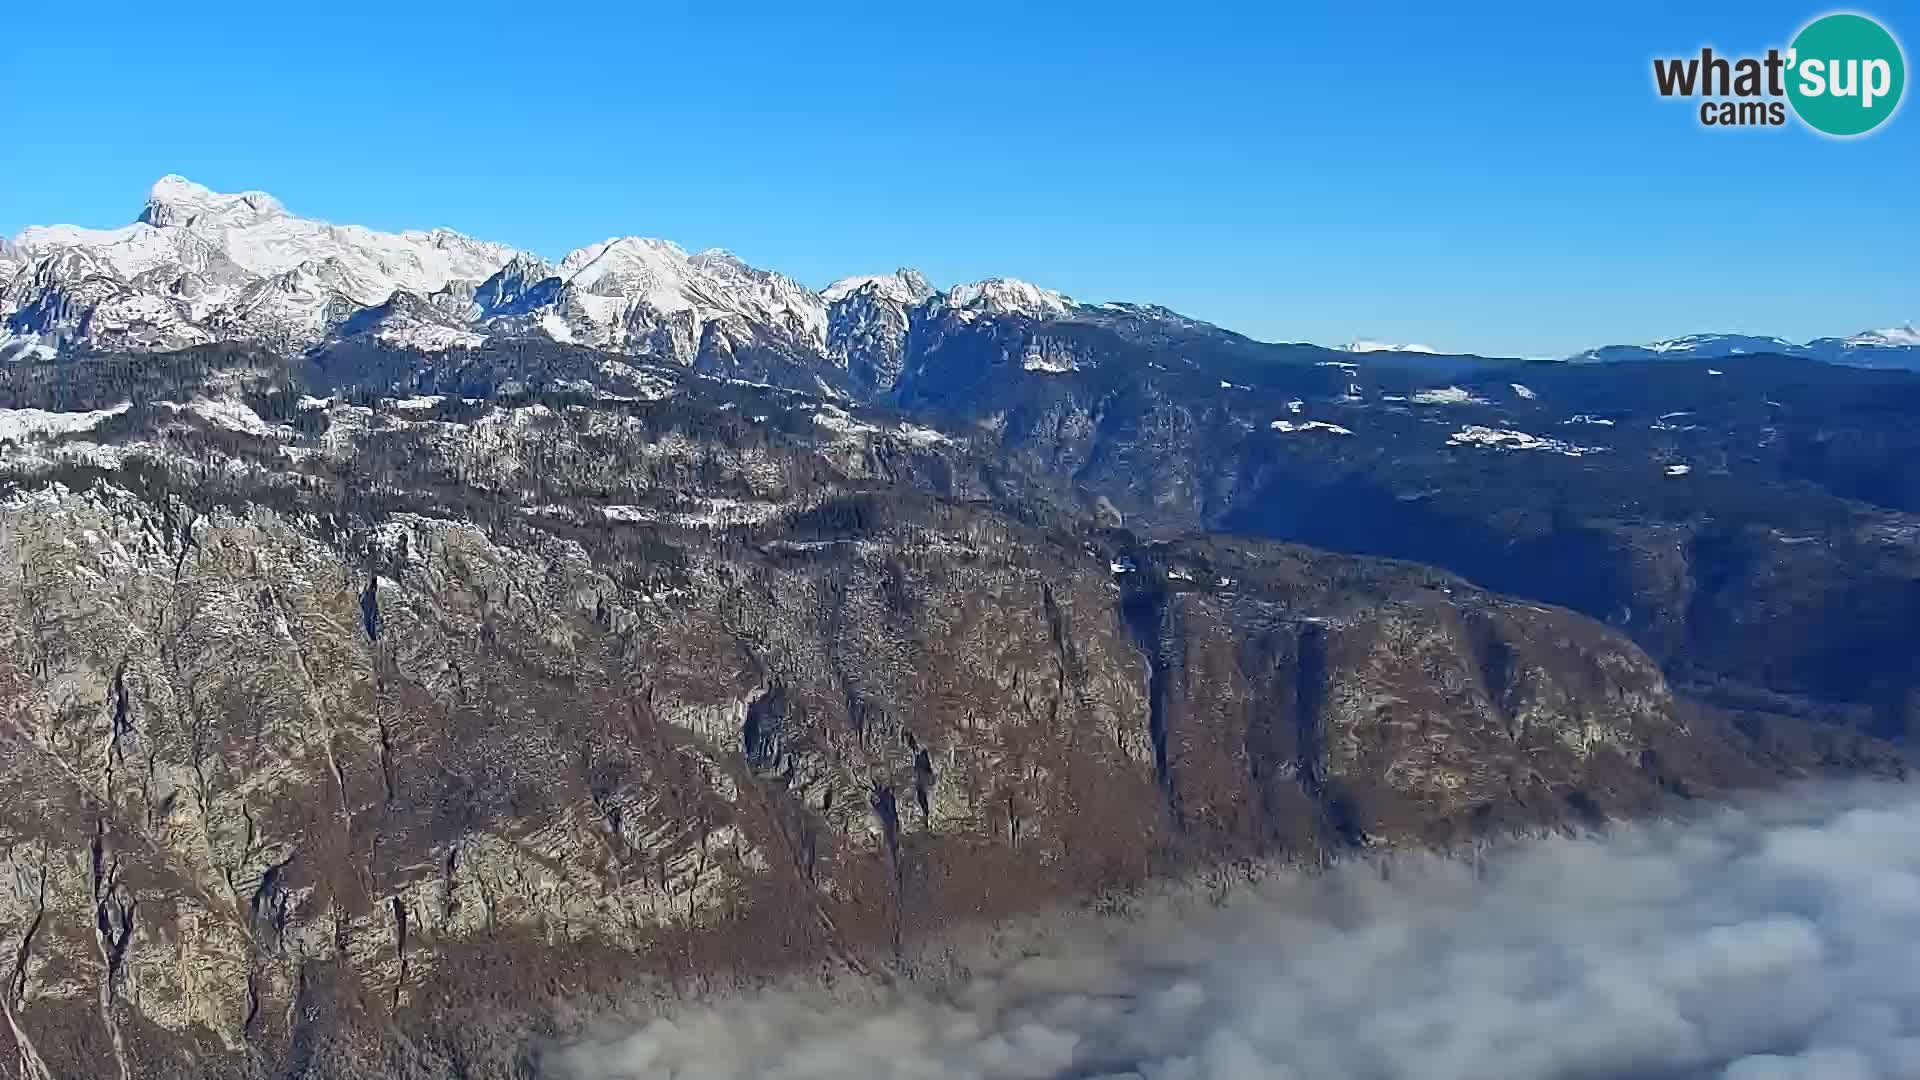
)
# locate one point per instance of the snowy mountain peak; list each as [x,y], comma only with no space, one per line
[522,284]
[719,258]
[529,267]
[176,200]
[904,286]
[1691,343]
[203,265]
[1365,346]
[174,187]
[1892,337]
[1007,296]
[647,296]
[624,263]
[1896,346]
[623,247]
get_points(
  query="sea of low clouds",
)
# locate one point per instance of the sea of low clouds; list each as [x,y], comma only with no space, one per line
[1780,940]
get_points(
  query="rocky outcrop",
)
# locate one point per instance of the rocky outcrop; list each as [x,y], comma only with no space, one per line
[1758,538]
[278,800]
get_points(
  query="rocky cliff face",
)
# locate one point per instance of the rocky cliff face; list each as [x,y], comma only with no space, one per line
[1757,532]
[348,732]
[280,799]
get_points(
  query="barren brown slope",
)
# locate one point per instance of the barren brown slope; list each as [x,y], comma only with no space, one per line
[279,800]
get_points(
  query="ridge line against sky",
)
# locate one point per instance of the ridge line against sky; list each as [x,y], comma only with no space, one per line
[1502,181]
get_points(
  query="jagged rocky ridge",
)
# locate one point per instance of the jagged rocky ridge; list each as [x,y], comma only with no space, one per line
[199,267]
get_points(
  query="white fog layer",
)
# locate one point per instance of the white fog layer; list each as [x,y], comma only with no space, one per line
[1780,940]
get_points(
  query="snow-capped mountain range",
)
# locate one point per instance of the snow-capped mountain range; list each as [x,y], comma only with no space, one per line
[1895,347]
[203,266]
[1366,346]
[200,266]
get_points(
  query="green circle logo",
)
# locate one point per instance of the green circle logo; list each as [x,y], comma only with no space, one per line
[1844,74]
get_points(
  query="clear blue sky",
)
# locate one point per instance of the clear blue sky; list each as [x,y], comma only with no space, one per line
[1502,180]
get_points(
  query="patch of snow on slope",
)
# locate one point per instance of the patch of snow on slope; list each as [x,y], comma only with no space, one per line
[917,435]
[1525,393]
[1447,395]
[230,414]
[14,347]
[1509,439]
[430,337]
[710,513]
[646,385]
[1048,365]
[839,421]
[26,425]
[1309,425]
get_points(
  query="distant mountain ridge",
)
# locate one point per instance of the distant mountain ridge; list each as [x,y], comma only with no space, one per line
[199,266]
[1892,347]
